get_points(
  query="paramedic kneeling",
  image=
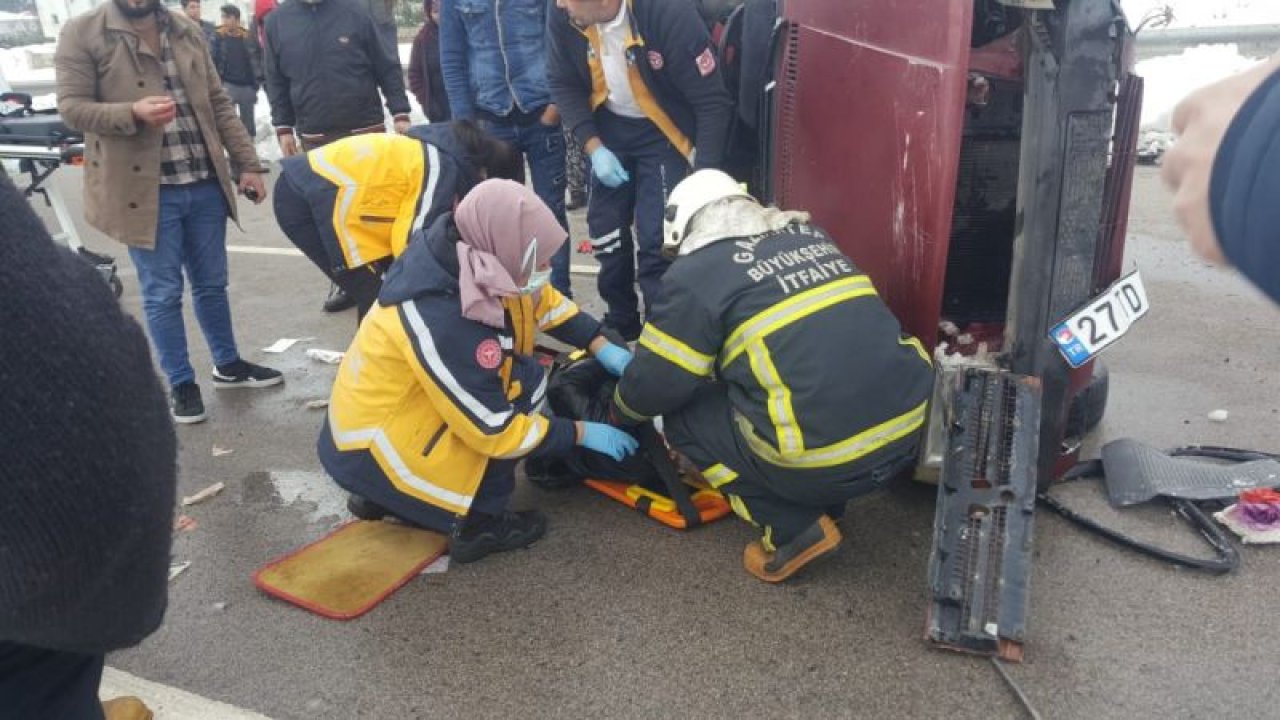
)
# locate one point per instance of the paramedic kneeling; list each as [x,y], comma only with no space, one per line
[777,369]
[437,398]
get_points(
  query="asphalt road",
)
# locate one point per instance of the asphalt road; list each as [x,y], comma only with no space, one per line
[613,615]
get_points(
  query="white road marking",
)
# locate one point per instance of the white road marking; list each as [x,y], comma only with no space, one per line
[169,703]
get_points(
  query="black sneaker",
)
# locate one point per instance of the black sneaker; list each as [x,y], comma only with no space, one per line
[365,509]
[186,405]
[338,300]
[245,374]
[483,535]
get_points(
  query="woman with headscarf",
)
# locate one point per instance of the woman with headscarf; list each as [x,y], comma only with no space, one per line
[437,398]
[426,81]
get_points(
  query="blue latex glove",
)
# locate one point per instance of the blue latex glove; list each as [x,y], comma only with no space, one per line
[608,168]
[608,440]
[614,359]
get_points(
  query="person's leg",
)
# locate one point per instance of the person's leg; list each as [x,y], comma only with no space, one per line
[490,527]
[248,98]
[39,683]
[160,279]
[609,212]
[575,171]
[543,146]
[363,285]
[659,167]
[299,224]
[205,257]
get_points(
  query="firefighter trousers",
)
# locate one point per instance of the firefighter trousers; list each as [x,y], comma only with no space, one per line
[782,502]
[655,167]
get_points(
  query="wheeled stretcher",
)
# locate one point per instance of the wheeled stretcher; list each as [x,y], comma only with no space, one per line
[41,143]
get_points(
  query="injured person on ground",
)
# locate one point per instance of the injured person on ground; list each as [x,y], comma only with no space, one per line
[777,369]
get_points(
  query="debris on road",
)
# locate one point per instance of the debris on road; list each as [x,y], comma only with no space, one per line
[1219,416]
[332,357]
[1255,518]
[220,606]
[176,569]
[284,344]
[317,404]
[440,566]
[184,523]
[219,451]
[204,494]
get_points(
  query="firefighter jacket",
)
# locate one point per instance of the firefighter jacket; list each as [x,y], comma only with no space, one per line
[433,396]
[673,73]
[816,367]
[378,189]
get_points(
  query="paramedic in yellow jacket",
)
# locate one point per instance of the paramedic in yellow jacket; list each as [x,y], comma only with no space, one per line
[437,398]
[351,205]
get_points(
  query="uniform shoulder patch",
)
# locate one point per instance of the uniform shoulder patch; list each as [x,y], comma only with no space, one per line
[706,62]
[489,354]
[655,60]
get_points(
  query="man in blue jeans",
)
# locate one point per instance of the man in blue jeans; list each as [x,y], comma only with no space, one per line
[493,56]
[158,129]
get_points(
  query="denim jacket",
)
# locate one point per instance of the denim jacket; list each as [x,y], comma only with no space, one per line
[493,56]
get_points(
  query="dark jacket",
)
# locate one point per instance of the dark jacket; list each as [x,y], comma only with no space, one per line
[426,81]
[87,462]
[237,56]
[1244,191]
[325,64]
[817,369]
[675,61]
[495,70]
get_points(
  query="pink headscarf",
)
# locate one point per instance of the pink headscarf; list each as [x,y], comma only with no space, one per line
[499,220]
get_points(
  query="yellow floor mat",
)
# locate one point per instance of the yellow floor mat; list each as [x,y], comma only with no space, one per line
[344,574]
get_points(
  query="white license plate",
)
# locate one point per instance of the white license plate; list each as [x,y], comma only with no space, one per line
[1103,321]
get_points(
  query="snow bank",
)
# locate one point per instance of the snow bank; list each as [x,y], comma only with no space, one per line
[1169,79]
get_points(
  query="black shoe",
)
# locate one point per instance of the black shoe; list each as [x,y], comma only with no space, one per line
[338,301]
[364,508]
[551,474]
[245,374]
[577,200]
[185,404]
[483,535]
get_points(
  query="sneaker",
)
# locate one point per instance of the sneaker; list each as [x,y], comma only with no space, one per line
[483,535]
[186,405]
[365,509]
[245,374]
[338,300]
[817,540]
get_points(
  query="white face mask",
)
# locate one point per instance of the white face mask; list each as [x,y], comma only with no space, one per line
[537,279]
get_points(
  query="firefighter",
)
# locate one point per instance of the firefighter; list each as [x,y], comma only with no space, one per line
[778,371]
[351,205]
[638,84]
[437,398]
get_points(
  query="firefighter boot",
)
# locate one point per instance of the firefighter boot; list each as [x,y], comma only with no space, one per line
[817,540]
[126,708]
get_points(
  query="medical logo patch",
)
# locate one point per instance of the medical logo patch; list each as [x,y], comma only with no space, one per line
[706,62]
[489,354]
[655,60]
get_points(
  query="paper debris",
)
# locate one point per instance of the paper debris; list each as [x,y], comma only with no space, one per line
[219,606]
[219,451]
[176,569]
[204,494]
[441,565]
[283,344]
[318,404]
[185,523]
[1218,416]
[332,357]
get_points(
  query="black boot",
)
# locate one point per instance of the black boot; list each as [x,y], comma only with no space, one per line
[483,535]
[338,300]
[365,509]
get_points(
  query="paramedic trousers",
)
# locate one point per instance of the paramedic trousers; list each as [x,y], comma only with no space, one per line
[782,502]
[40,683]
[655,167]
[301,225]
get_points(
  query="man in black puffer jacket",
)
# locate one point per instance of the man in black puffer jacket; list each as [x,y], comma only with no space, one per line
[87,476]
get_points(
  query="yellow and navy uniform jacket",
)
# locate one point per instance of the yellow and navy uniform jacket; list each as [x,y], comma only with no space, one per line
[816,367]
[370,193]
[432,396]
[673,69]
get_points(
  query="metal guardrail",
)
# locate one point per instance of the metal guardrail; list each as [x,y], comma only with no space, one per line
[1253,40]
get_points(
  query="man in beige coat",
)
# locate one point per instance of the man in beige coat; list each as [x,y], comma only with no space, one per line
[137,79]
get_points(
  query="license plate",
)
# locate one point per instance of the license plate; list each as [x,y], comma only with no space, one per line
[1103,321]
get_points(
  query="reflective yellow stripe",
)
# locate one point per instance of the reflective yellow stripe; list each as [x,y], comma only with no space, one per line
[599,87]
[672,350]
[790,310]
[785,425]
[767,539]
[740,509]
[626,409]
[919,347]
[646,101]
[845,451]
[320,162]
[718,475]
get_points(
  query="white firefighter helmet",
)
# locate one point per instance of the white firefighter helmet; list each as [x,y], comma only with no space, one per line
[691,195]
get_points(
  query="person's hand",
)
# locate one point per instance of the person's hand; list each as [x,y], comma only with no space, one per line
[551,116]
[253,187]
[401,125]
[1200,121]
[155,110]
[606,439]
[288,144]
[608,168]
[614,359]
